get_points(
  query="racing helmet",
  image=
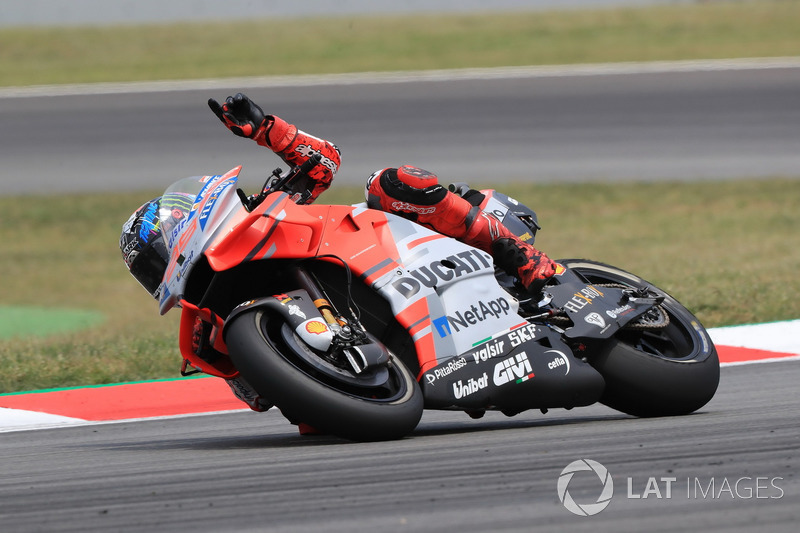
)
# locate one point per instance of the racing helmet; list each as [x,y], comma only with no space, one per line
[142,240]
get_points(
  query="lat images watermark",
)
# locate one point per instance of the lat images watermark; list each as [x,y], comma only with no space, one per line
[691,488]
[586,509]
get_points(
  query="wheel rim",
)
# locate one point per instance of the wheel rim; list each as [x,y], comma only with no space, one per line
[393,388]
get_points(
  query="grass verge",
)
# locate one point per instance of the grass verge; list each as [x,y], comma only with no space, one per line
[707,30]
[727,250]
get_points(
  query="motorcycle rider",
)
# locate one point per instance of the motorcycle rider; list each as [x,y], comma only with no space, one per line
[407,191]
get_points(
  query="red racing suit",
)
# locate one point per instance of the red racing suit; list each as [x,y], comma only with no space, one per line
[295,147]
[415,194]
[407,191]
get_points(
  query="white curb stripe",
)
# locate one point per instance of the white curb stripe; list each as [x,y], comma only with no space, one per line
[781,337]
[18,419]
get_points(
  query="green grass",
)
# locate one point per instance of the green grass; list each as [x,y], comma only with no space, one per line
[43,321]
[727,250]
[32,56]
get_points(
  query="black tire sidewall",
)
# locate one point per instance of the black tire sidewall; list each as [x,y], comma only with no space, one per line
[304,399]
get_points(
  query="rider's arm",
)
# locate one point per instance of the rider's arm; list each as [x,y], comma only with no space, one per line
[246,119]
[295,147]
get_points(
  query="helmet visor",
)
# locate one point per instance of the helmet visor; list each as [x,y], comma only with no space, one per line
[149,265]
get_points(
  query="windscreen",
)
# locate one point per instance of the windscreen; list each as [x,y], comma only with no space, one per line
[176,207]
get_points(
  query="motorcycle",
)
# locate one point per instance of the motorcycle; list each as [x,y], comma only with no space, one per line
[353,320]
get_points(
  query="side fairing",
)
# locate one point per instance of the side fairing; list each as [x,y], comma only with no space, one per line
[441,290]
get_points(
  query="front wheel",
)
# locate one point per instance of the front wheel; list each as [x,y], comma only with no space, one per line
[279,366]
[660,371]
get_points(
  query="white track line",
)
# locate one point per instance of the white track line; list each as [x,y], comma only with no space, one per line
[542,71]
[22,420]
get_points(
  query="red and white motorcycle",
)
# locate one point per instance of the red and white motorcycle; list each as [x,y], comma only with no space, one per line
[353,320]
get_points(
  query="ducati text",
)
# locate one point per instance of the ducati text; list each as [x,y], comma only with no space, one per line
[439,271]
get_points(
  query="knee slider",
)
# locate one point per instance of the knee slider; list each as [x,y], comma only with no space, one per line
[399,190]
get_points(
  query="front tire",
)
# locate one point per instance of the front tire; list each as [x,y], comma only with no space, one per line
[259,351]
[653,372]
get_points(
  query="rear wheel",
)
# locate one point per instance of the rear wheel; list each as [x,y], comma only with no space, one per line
[653,371]
[309,388]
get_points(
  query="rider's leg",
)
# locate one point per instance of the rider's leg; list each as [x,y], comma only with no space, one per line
[416,194]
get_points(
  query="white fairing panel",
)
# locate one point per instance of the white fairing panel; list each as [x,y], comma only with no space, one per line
[465,303]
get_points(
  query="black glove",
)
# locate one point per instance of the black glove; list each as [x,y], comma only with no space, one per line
[240,115]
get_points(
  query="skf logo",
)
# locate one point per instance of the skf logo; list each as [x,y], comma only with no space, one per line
[512,368]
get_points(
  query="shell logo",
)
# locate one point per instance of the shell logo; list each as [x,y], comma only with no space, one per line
[316,327]
[559,269]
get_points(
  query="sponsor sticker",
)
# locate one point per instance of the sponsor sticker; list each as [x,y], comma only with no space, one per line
[316,327]
[442,271]
[596,319]
[488,350]
[620,311]
[478,312]
[295,310]
[451,366]
[462,390]
[560,361]
[583,298]
[516,368]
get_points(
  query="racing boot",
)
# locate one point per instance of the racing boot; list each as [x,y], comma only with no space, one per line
[517,258]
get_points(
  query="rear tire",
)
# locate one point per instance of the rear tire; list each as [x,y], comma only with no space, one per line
[658,372]
[304,394]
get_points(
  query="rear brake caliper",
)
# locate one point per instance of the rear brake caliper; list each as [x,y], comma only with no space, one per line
[654,318]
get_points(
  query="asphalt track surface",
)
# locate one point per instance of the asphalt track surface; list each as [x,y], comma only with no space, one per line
[250,472]
[683,125]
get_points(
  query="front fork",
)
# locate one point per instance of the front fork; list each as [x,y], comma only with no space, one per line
[344,330]
[349,337]
[307,283]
